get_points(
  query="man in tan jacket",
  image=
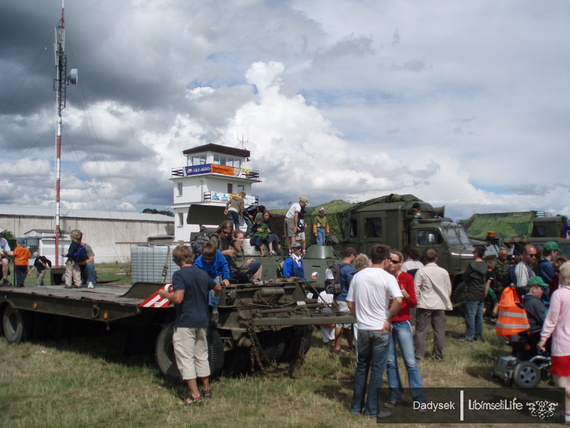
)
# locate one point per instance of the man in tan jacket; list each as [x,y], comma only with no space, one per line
[433,291]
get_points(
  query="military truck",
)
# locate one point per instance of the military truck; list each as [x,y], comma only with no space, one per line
[520,228]
[257,324]
[397,220]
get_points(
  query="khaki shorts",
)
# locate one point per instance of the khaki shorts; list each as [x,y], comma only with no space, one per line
[191,352]
[300,236]
[290,226]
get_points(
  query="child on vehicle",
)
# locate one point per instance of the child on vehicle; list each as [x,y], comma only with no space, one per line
[260,234]
[21,257]
[72,268]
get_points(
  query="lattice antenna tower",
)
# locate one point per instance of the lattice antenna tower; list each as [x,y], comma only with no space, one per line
[61,82]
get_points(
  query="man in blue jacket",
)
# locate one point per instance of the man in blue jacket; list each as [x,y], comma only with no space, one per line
[294,265]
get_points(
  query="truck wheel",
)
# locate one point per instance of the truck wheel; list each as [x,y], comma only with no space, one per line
[458,298]
[299,342]
[164,352]
[17,324]
[526,374]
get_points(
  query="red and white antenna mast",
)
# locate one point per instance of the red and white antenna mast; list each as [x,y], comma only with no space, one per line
[62,80]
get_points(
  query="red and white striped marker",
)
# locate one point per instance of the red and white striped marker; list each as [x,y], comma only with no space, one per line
[155,301]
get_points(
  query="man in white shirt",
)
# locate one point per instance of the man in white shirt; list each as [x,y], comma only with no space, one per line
[374,298]
[523,270]
[292,219]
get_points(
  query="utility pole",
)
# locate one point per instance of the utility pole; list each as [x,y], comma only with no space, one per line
[62,80]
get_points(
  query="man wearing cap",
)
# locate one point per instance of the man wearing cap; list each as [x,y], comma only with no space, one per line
[532,302]
[5,251]
[294,265]
[321,227]
[292,219]
[549,253]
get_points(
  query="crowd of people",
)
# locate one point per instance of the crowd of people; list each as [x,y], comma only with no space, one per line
[79,266]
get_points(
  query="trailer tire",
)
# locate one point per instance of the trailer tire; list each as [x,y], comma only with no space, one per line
[16,324]
[164,352]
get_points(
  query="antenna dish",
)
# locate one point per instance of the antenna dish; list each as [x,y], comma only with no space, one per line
[73,76]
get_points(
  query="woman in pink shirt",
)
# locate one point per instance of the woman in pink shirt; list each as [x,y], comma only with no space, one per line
[557,324]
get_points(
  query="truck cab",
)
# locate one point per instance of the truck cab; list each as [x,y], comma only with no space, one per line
[411,222]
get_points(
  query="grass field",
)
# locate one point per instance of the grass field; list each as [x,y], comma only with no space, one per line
[87,382]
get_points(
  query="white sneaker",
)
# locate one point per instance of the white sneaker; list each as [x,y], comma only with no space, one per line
[90,285]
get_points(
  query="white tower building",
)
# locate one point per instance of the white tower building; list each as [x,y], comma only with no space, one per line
[213,173]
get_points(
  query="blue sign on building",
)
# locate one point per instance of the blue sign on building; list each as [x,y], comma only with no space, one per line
[198,169]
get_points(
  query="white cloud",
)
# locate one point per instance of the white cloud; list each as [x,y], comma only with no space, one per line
[460,103]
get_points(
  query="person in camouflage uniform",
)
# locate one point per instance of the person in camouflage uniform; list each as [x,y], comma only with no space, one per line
[501,272]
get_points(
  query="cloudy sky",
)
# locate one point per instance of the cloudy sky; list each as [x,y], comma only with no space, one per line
[461,103]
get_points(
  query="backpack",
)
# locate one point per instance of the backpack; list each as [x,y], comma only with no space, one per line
[80,255]
[333,281]
[199,243]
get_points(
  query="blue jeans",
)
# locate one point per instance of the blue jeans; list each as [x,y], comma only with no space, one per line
[21,274]
[473,320]
[402,333]
[321,236]
[373,346]
[88,273]
[249,224]
[233,216]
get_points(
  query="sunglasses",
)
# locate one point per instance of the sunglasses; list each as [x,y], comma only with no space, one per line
[395,261]
[532,255]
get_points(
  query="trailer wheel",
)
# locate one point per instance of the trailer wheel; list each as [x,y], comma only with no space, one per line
[164,352]
[526,374]
[166,361]
[17,324]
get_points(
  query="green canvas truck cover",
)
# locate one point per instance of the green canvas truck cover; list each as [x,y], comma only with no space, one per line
[513,225]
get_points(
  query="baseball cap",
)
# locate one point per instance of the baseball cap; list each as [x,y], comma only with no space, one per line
[536,280]
[321,209]
[304,199]
[552,246]
[295,245]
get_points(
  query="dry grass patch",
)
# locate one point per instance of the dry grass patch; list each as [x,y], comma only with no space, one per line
[86,382]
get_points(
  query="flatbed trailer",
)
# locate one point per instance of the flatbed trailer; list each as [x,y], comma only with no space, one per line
[272,321]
